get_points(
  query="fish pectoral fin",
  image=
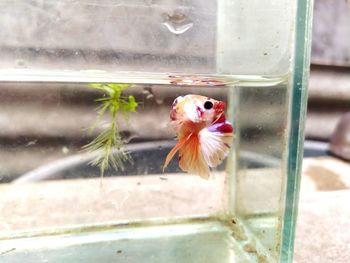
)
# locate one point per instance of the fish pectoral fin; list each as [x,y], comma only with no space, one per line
[215,146]
[173,151]
[171,155]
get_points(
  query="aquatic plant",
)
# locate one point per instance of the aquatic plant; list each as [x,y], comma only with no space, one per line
[109,144]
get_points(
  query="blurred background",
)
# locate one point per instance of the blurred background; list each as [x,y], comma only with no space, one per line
[322,234]
[329,88]
[327,128]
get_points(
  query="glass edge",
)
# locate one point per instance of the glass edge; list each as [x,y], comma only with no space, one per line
[299,82]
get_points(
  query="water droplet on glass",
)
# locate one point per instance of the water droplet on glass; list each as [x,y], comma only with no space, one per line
[20,63]
[177,23]
[65,150]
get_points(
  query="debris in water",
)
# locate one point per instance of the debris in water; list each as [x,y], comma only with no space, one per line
[33,142]
[7,251]
[195,81]
[250,247]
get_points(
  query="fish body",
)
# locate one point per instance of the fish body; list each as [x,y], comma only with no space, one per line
[204,135]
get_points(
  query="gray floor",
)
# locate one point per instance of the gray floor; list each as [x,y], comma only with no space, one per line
[323,221]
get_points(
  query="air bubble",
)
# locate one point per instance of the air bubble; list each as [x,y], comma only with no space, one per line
[20,63]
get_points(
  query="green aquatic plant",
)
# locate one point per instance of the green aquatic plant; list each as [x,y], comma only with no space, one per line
[109,144]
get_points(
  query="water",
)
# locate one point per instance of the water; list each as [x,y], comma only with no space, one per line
[180,79]
[59,210]
[198,241]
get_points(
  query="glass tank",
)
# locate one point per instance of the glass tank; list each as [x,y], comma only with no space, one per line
[95,94]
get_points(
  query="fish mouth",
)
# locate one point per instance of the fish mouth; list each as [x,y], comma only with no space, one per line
[219,117]
[220,107]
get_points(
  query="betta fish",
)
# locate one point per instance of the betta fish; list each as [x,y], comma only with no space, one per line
[204,135]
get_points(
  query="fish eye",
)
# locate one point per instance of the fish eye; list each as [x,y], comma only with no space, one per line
[208,105]
[175,102]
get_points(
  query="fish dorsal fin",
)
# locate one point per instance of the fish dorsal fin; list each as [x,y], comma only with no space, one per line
[215,146]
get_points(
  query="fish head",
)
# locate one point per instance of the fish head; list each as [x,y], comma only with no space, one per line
[177,107]
[196,109]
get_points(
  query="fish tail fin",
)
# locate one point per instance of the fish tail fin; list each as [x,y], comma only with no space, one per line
[191,158]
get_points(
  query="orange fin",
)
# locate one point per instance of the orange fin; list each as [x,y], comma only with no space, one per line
[173,151]
[191,158]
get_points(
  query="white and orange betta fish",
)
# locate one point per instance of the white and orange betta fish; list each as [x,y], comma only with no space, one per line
[204,135]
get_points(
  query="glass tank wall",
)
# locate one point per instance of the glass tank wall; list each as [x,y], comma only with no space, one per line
[81,80]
